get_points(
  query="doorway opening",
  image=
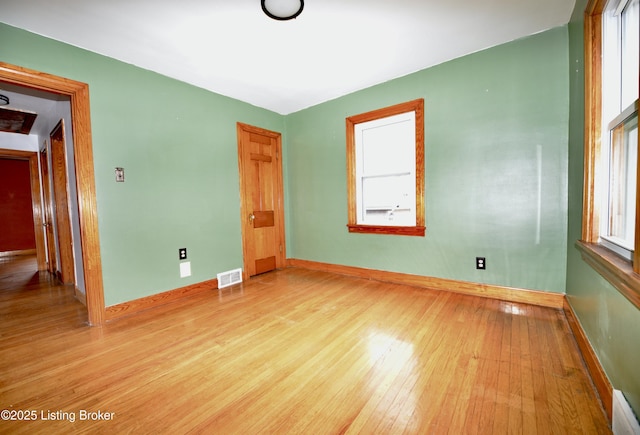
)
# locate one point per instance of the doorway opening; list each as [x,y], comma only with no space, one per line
[78,94]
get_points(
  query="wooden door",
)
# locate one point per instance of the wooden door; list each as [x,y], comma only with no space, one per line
[262,199]
[61,201]
[52,262]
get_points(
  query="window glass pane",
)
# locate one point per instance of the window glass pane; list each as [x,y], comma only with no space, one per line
[385,174]
[388,145]
[388,200]
[622,182]
[630,21]
[611,64]
[621,32]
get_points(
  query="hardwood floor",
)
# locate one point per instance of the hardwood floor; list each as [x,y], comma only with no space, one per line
[293,351]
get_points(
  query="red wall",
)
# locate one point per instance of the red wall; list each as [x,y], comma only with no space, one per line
[16,212]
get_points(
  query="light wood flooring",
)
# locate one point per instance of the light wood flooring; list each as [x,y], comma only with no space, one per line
[292,351]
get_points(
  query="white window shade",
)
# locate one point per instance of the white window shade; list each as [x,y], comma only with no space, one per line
[385,175]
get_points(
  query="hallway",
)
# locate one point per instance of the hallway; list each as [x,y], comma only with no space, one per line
[38,294]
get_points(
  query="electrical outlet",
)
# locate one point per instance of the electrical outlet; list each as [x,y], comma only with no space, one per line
[120,175]
[481,263]
[182,253]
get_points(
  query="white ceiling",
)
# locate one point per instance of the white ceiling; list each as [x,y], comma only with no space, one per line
[333,48]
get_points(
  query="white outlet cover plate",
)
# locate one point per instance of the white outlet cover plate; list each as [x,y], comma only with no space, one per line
[185,269]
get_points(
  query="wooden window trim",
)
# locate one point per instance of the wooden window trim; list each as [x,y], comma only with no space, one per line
[613,268]
[416,106]
[622,274]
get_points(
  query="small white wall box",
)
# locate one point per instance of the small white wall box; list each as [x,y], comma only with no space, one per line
[185,269]
[230,277]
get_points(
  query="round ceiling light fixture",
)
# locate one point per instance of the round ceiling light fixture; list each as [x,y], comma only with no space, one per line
[282,10]
[4,100]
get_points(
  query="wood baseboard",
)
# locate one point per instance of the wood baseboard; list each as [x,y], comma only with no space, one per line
[598,376]
[533,297]
[137,305]
[17,253]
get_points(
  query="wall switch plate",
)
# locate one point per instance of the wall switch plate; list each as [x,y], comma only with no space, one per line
[182,253]
[481,263]
[120,175]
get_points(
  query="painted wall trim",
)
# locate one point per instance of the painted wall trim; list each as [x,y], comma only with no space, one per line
[510,294]
[137,305]
[597,373]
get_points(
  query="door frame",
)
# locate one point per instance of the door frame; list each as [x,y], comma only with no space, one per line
[245,203]
[47,211]
[36,202]
[78,94]
[60,181]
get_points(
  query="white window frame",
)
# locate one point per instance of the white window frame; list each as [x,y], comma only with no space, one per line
[619,104]
[385,178]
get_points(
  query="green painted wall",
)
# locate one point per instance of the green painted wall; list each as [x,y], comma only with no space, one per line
[609,320]
[487,118]
[178,146]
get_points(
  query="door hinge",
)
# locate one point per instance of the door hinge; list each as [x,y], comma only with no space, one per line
[280,248]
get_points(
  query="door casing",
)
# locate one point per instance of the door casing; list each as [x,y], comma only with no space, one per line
[78,94]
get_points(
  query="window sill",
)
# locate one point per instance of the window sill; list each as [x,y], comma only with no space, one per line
[615,269]
[379,229]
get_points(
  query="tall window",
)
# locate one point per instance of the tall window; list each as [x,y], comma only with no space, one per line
[620,121]
[385,164]
[611,217]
